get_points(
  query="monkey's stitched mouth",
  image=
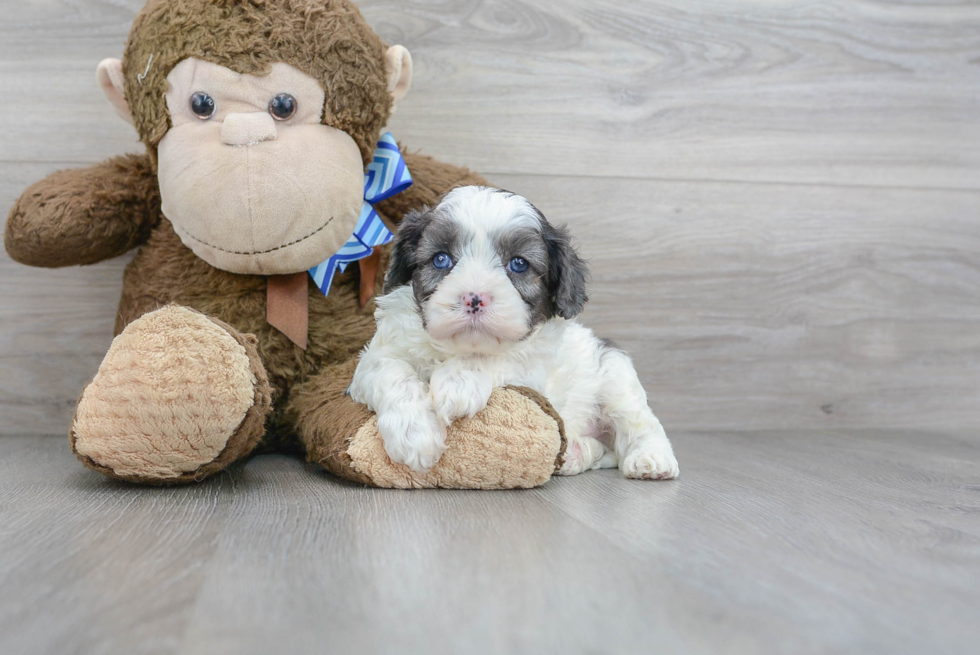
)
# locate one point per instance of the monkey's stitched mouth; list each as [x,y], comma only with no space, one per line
[260,252]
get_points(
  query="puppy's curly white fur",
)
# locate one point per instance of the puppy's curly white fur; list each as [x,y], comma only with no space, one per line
[480,294]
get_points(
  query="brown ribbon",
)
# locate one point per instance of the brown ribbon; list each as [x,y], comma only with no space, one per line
[369,275]
[288,299]
[288,306]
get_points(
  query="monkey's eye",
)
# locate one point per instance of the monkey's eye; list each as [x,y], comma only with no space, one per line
[518,265]
[202,105]
[442,261]
[283,107]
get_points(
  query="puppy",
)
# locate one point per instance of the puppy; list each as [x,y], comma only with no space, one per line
[480,293]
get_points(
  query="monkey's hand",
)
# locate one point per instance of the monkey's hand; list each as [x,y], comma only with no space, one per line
[85,215]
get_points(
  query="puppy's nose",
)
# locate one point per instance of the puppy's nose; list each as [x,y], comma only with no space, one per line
[474,303]
[248,129]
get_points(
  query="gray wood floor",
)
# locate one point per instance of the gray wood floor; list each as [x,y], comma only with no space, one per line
[781,205]
[804,542]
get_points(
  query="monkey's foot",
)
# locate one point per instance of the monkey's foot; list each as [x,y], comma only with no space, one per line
[178,397]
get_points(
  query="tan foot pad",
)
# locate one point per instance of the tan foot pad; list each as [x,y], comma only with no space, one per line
[173,392]
[516,442]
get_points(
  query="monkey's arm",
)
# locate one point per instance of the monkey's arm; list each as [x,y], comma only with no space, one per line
[517,441]
[85,215]
[433,179]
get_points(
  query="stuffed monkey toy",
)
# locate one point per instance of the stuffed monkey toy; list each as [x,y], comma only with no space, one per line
[261,119]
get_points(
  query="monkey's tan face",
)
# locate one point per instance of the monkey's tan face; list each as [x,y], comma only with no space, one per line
[251,179]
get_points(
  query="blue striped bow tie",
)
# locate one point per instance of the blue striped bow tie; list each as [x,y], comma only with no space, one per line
[386,176]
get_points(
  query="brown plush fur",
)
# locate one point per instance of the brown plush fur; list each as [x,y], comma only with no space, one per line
[326,420]
[329,39]
[87,215]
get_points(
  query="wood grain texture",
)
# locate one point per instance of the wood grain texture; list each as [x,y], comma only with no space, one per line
[779,200]
[783,306]
[831,92]
[805,542]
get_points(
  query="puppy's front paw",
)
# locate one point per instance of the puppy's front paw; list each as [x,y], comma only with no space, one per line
[412,437]
[651,463]
[458,394]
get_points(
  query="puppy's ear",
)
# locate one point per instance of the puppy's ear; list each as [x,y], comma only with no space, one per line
[567,272]
[402,266]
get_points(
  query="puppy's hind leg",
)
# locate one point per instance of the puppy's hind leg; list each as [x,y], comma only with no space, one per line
[584,454]
[609,460]
[641,444]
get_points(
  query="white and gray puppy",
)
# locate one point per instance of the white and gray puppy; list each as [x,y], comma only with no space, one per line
[479,294]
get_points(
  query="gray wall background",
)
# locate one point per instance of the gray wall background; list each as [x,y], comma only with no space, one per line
[780,200]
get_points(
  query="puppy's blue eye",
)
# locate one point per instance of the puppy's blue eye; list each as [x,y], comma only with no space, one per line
[518,265]
[442,260]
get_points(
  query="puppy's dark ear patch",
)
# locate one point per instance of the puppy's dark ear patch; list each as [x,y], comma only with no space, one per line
[568,273]
[402,265]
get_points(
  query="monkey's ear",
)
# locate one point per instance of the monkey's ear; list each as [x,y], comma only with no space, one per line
[398,63]
[113,83]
